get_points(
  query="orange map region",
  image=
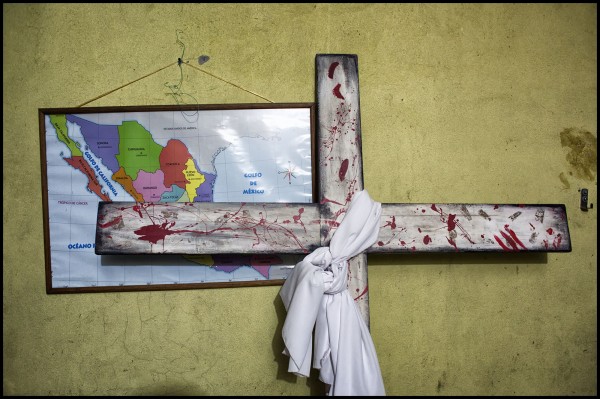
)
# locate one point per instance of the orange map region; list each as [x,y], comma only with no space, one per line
[173,159]
[82,165]
[124,180]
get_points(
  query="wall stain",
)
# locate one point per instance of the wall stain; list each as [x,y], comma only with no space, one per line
[564,180]
[582,156]
[441,382]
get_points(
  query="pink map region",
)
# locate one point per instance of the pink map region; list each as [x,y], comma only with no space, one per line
[261,263]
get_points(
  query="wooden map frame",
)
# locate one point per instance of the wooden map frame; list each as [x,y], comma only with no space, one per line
[85,166]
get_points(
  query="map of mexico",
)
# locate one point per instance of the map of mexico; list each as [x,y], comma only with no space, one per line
[164,158]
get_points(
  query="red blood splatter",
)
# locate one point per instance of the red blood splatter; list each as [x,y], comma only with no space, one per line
[138,209]
[451,241]
[509,240]
[336,92]
[514,237]
[324,200]
[343,169]
[380,243]
[482,236]
[451,222]
[332,69]
[330,223]
[153,232]
[391,223]
[557,241]
[499,241]
[426,240]
[418,228]
[550,231]
[402,243]
[423,211]
[256,236]
[362,293]
[297,218]
[116,220]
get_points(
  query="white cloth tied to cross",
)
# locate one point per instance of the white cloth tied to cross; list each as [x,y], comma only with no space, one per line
[315,296]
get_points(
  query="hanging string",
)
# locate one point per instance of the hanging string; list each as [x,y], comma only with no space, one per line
[176,90]
[127,84]
[231,83]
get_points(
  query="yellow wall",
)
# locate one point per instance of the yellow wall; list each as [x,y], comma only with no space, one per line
[459,103]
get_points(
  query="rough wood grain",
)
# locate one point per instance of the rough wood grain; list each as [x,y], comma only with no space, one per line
[206,228]
[262,228]
[472,228]
[340,156]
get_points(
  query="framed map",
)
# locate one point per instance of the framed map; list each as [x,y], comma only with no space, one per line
[201,153]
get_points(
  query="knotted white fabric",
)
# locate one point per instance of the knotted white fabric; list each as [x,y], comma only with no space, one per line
[315,296]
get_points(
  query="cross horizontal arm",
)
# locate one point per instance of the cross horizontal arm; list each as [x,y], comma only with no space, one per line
[206,228]
[472,228]
[227,228]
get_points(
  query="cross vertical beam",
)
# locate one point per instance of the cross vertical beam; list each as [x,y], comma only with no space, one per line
[339,156]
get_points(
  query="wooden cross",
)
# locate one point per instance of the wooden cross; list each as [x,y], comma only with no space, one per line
[277,228]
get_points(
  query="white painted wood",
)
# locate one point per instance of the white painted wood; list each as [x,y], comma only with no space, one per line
[340,156]
[472,228]
[206,228]
[278,228]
